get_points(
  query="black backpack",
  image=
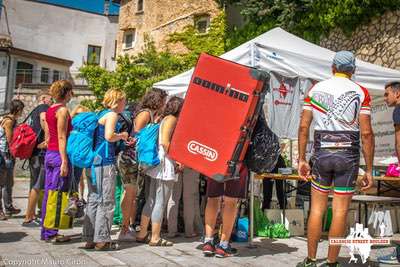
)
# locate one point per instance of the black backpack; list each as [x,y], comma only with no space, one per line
[264,149]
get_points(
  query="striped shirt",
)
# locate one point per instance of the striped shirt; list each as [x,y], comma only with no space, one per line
[336,104]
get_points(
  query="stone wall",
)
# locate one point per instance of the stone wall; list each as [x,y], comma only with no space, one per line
[159,19]
[377,42]
[27,94]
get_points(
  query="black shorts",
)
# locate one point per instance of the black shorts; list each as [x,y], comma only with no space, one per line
[335,169]
[37,172]
[232,188]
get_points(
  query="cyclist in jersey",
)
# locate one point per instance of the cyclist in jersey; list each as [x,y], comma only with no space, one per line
[340,110]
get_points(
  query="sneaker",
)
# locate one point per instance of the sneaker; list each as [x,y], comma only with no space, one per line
[307,263]
[393,258]
[126,235]
[220,252]
[12,211]
[3,217]
[208,249]
[31,223]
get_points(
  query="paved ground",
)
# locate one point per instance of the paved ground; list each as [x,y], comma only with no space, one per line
[21,246]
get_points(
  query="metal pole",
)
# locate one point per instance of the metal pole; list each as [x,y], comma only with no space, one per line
[250,243]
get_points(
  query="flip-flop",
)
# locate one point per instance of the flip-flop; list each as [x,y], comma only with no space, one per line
[109,246]
[161,243]
[144,240]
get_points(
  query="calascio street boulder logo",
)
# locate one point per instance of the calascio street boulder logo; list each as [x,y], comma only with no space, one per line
[197,148]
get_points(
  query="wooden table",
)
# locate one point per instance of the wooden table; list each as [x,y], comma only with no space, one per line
[382,181]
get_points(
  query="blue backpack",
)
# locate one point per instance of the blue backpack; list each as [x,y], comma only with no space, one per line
[147,146]
[80,144]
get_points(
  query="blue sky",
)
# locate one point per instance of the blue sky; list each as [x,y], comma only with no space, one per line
[94,6]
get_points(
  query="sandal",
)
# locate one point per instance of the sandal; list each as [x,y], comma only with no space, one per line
[161,243]
[62,239]
[144,240]
[89,245]
[108,246]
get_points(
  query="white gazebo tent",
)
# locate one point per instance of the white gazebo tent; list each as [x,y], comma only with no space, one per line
[290,56]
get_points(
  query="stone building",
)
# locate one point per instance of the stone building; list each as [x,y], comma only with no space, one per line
[377,42]
[158,19]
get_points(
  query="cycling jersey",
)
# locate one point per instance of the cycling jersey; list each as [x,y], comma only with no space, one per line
[336,104]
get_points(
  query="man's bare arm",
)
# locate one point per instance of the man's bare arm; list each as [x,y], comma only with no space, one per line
[368,141]
[397,141]
[304,129]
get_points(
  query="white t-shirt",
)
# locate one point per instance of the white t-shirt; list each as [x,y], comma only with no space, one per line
[336,104]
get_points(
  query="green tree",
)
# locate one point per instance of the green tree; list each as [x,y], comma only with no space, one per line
[310,19]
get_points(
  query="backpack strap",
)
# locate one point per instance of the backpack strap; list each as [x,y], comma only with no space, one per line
[149,111]
[29,115]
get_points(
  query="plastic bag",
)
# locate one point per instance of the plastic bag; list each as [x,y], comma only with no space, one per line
[264,228]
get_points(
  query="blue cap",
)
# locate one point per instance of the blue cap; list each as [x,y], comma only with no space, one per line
[344,61]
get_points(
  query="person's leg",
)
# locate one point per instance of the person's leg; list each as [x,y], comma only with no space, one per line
[7,193]
[340,207]
[163,194]
[52,166]
[314,226]
[213,204]
[147,210]
[142,192]
[89,220]
[173,207]
[280,193]
[30,210]
[267,193]
[127,206]
[106,176]
[190,201]
[228,217]
[32,201]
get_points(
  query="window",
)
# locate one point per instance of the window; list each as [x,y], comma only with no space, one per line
[129,39]
[24,73]
[140,5]
[202,23]
[44,75]
[56,75]
[93,54]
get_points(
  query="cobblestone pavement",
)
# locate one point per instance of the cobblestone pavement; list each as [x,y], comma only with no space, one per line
[20,246]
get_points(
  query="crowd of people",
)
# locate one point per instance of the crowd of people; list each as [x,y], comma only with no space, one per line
[154,195]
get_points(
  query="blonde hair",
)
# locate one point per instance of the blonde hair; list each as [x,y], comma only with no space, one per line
[59,89]
[112,97]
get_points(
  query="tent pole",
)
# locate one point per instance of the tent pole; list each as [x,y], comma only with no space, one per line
[251,213]
[252,55]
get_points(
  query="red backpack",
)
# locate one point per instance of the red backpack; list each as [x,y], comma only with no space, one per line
[23,142]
